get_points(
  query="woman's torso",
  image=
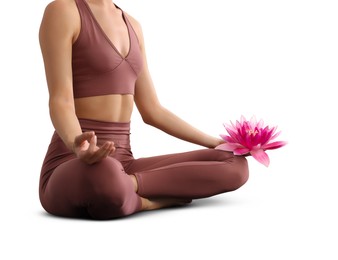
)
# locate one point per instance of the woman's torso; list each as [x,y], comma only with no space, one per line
[114,34]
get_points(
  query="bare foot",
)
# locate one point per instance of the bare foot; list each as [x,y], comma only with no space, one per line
[162,203]
[158,203]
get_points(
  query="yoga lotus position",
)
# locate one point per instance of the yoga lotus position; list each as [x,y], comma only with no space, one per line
[96,69]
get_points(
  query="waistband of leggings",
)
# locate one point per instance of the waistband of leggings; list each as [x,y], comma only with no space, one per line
[104,127]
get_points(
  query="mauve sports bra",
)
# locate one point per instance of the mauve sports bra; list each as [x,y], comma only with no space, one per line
[98,67]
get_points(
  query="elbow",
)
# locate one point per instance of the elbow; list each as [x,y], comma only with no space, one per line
[152,116]
[148,119]
[60,105]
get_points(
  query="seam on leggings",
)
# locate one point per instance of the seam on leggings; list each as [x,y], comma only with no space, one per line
[131,164]
[172,166]
[186,164]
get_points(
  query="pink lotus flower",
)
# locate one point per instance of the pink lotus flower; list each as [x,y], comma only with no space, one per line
[250,137]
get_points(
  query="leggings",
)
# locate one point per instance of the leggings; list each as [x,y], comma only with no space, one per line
[71,188]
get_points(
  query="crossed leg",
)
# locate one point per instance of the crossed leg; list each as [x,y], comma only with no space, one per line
[176,179]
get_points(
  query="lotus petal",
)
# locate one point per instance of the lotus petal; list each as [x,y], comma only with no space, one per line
[261,156]
[274,145]
[228,146]
[241,151]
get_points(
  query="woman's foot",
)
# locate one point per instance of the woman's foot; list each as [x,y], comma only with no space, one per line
[152,204]
[158,203]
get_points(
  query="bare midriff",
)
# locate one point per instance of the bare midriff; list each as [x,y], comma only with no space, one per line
[108,108]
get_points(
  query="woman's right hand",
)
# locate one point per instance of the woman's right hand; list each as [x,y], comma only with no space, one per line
[85,147]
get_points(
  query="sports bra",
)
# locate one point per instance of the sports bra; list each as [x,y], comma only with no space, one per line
[98,67]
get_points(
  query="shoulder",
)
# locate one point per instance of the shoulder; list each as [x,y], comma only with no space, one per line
[60,5]
[60,16]
[60,9]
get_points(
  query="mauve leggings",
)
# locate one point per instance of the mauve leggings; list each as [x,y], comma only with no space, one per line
[70,188]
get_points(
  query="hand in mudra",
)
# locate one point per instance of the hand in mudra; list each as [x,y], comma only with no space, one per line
[85,147]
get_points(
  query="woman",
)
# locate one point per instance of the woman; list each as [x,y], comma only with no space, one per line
[96,68]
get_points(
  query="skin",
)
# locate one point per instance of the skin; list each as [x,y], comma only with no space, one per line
[59,29]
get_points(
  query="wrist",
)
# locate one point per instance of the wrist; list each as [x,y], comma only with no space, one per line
[72,147]
[219,141]
[214,141]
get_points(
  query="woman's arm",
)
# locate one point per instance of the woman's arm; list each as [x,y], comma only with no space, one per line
[58,30]
[153,113]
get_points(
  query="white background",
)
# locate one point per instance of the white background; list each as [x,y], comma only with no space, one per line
[211,61]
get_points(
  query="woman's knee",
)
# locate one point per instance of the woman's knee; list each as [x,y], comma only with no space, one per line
[240,172]
[106,182]
[235,168]
[112,191]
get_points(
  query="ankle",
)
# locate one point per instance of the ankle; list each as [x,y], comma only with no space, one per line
[146,204]
[134,180]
